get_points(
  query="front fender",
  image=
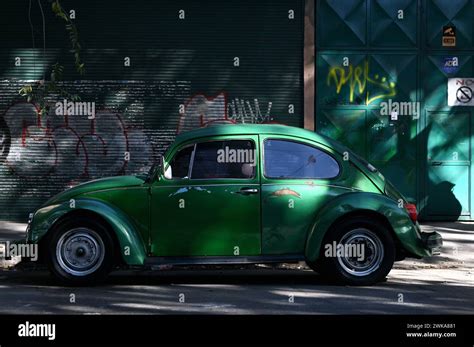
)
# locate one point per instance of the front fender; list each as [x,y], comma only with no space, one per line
[405,230]
[131,244]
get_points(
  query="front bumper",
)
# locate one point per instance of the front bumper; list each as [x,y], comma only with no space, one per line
[432,241]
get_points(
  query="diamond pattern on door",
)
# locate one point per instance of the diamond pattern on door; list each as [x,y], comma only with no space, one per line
[338,84]
[391,77]
[341,23]
[440,13]
[393,23]
[345,126]
[391,139]
[435,79]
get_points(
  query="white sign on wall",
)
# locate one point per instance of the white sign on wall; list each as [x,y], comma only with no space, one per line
[460,91]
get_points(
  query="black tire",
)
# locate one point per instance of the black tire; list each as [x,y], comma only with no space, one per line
[90,245]
[341,268]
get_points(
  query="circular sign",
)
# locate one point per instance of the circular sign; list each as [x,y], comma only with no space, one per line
[464,94]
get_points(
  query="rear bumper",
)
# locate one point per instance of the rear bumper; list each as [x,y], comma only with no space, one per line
[416,243]
[432,241]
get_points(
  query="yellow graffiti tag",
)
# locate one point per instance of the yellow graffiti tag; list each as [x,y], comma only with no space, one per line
[357,78]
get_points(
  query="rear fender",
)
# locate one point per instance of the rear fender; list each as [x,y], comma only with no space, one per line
[404,229]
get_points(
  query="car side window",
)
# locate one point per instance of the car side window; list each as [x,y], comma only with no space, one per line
[289,159]
[180,162]
[224,159]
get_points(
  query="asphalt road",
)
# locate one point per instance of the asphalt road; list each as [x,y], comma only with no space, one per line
[255,291]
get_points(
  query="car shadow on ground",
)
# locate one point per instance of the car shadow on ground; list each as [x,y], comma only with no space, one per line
[180,276]
[230,276]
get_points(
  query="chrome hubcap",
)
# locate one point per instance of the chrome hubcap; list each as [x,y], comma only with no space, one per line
[80,251]
[366,254]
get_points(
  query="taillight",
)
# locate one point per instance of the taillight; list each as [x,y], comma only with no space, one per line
[411,209]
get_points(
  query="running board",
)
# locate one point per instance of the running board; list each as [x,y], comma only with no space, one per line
[223,260]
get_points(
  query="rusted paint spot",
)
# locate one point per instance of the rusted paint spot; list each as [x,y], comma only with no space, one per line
[286,191]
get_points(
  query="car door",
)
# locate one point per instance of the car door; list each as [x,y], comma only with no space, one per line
[299,178]
[211,204]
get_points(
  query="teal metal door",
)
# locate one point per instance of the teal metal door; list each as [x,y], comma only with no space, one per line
[371,53]
[445,190]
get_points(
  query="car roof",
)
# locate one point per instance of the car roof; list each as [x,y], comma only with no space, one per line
[256,129]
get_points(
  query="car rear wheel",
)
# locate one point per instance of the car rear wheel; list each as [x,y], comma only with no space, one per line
[80,252]
[357,251]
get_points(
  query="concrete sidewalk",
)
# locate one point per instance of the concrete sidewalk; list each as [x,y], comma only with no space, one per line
[12,230]
[453,267]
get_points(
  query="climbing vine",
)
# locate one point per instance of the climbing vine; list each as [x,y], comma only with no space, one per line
[38,92]
[73,35]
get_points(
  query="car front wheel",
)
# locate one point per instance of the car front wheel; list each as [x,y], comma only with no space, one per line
[358,251]
[80,252]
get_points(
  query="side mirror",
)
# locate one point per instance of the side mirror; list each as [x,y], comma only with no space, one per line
[167,173]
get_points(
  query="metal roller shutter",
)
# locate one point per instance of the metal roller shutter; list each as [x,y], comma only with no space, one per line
[238,60]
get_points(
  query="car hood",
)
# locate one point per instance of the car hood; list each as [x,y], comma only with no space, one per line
[95,185]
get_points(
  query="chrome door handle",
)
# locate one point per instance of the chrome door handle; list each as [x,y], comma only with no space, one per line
[247,191]
[436,163]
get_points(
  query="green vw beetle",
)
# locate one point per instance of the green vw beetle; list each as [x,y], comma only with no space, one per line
[235,194]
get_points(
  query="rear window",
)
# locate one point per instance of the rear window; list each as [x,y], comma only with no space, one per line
[289,159]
